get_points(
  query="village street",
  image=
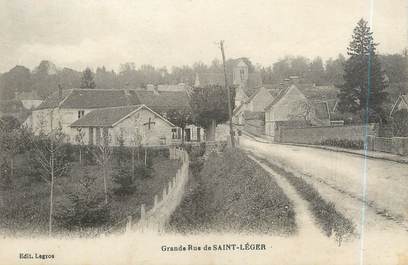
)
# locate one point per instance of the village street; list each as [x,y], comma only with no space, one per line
[339,177]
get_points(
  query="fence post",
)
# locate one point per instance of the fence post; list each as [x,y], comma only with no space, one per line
[142,211]
[155,201]
[174,182]
[169,188]
[129,223]
[164,192]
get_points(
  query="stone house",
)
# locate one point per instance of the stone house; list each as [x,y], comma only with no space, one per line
[291,105]
[63,108]
[257,102]
[134,125]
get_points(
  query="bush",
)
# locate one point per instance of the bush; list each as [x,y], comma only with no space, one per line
[84,208]
[124,180]
[142,171]
[344,143]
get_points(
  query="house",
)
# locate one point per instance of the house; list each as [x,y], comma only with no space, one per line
[30,100]
[65,107]
[257,102]
[134,125]
[400,103]
[290,106]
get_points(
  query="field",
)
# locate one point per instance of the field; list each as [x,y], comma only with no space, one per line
[233,194]
[25,204]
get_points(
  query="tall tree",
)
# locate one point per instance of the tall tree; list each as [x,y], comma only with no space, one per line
[87,79]
[316,74]
[335,70]
[210,107]
[364,85]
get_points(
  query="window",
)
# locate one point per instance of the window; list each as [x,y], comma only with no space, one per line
[81,113]
[174,134]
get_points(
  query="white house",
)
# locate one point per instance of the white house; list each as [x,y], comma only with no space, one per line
[134,125]
[65,107]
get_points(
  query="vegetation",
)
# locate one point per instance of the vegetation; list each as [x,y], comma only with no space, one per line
[344,143]
[399,121]
[210,107]
[232,194]
[325,214]
[87,79]
[365,84]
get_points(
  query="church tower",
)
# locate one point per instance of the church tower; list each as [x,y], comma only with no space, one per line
[240,74]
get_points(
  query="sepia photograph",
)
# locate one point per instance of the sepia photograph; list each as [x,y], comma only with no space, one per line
[204,132]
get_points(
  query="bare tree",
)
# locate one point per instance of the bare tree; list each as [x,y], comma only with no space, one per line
[51,160]
[102,153]
[80,140]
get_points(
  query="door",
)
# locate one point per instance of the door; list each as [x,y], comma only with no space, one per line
[188,134]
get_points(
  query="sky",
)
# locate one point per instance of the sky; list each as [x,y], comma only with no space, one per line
[81,33]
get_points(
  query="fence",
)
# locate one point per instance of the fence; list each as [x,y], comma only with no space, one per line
[156,218]
[394,145]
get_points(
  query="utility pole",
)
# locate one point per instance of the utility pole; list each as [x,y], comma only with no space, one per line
[229,95]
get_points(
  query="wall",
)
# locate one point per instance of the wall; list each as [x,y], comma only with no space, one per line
[313,135]
[394,145]
[160,132]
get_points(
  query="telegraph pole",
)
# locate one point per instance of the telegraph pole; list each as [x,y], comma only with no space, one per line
[229,95]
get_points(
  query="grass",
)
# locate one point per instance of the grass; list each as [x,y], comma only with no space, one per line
[233,194]
[325,214]
[24,206]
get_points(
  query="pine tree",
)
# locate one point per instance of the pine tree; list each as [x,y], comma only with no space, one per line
[364,87]
[87,79]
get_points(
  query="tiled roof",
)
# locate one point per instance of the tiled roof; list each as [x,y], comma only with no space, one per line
[280,95]
[104,117]
[163,100]
[103,98]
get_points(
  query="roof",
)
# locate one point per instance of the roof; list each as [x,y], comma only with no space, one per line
[108,117]
[403,98]
[104,98]
[163,100]
[280,95]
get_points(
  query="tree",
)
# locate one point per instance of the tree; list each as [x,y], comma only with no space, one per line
[125,181]
[85,206]
[210,107]
[316,74]
[335,70]
[87,79]
[52,162]
[364,78]
[80,140]
[102,153]
[181,118]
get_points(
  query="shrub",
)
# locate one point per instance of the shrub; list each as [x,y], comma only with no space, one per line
[344,143]
[142,171]
[84,208]
[124,180]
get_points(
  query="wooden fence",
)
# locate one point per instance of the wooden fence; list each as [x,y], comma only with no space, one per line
[156,218]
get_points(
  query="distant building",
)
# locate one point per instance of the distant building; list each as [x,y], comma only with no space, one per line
[30,100]
[244,81]
[292,106]
[255,103]
[63,108]
[400,103]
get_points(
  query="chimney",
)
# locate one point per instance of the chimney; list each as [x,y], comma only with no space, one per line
[294,79]
[150,87]
[156,90]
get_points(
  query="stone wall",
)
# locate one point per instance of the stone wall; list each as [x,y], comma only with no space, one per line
[314,135]
[394,145]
